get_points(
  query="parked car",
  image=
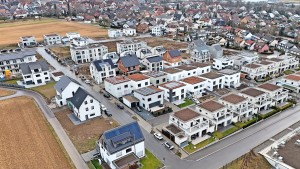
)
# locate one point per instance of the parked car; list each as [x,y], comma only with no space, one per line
[120,105]
[248,77]
[158,136]
[87,81]
[138,108]
[108,113]
[169,145]
[106,95]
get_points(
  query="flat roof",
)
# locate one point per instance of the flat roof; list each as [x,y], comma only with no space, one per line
[193,80]
[211,75]
[131,99]
[233,98]
[211,105]
[252,92]
[269,86]
[292,77]
[137,77]
[126,160]
[186,67]
[173,129]
[155,74]
[172,85]
[149,90]
[56,74]
[172,70]
[252,66]
[229,71]
[117,79]
[186,114]
[198,64]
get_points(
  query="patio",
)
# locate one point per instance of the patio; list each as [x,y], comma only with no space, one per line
[200,139]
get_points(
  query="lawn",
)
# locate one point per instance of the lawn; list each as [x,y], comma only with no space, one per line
[13,81]
[187,102]
[96,164]
[85,135]
[287,72]
[11,32]
[61,52]
[47,90]
[29,140]
[243,124]
[150,161]
[225,133]
[191,148]
[6,92]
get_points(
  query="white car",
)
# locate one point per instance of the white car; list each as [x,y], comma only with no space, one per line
[158,136]
[87,81]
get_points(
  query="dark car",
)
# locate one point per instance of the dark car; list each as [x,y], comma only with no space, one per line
[106,95]
[248,77]
[138,108]
[108,113]
[120,105]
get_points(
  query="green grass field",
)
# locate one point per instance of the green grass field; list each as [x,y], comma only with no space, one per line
[150,161]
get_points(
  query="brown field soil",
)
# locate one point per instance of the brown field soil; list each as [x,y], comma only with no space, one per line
[11,32]
[112,46]
[168,44]
[6,92]
[26,139]
[85,135]
[61,52]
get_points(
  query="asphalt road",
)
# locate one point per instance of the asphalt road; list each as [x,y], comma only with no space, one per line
[214,156]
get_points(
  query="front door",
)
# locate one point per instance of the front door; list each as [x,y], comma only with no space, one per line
[86,117]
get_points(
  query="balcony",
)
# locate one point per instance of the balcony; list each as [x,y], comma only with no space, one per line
[263,102]
[223,118]
[197,127]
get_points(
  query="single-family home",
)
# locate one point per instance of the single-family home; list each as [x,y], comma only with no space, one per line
[113,56]
[284,45]
[258,98]
[129,32]
[101,69]
[139,81]
[115,33]
[72,35]
[118,86]
[142,28]
[27,41]
[214,80]
[172,58]
[158,30]
[122,147]
[143,53]
[254,71]
[174,74]
[242,109]
[202,68]
[153,63]
[52,39]
[232,78]
[276,93]
[150,97]
[157,77]
[173,91]
[158,50]
[128,64]
[35,73]
[222,63]
[294,51]
[195,86]
[291,82]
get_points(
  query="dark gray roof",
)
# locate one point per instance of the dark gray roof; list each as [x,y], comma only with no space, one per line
[174,53]
[199,42]
[99,63]
[78,98]
[130,60]
[63,83]
[295,49]
[217,47]
[289,45]
[201,48]
[17,55]
[27,67]
[154,59]
[122,137]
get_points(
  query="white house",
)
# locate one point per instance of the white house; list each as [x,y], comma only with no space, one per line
[83,105]
[241,108]
[199,51]
[118,86]
[101,69]
[65,88]
[52,39]
[79,42]
[202,68]
[157,30]
[72,35]
[254,70]
[139,81]
[153,63]
[56,75]
[258,98]
[222,63]
[122,147]
[188,70]
[214,80]
[129,32]
[195,86]
[192,123]
[232,78]
[130,45]
[35,73]
[174,74]
[149,97]
[291,82]
[27,41]
[143,53]
[158,50]
[216,112]
[276,93]
[113,56]
[157,77]
[88,53]
[115,33]
[11,61]
[173,91]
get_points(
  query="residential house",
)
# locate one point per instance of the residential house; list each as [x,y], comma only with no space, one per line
[115,33]
[157,77]
[172,58]
[27,41]
[88,53]
[242,109]
[79,42]
[254,71]
[188,70]
[249,44]
[150,97]
[243,58]
[65,89]
[284,45]
[173,91]
[216,51]
[258,98]
[101,69]
[276,93]
[56,75]
[294,51]
[130,45]
[158,50]
[10,62]
[291,82]
[217,113]
[113,56]
[143,53]
[52,39]
[139,81]
[195,86]
[122,147]
[158,30]
[72,35]
[142,28]
[174,74]
[118,86]
[153,63]
[232,78]
[214,80]
[129,32]
[202,68]
[199,51]
[35,73]
[222,63]
[84,105]
[129,64]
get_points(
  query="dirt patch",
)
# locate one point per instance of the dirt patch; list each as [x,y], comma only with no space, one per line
[84,70]
[47,90]
[26,139]
[11,32]
[168,44]
[84,136]
[290,152]
[6,92]
[249,161]
[61,52]
[229,52]
[112,46]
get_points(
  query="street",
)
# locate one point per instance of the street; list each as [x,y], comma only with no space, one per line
[212,157]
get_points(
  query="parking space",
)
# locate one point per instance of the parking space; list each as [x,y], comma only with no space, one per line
[146,115]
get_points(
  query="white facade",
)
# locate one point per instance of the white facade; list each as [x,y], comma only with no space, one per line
[214,81]
[154,98]
[129,32]
[232,78]
[173,91]
[68,92]
[130,45]
[276,93]
[291,82]
[258,98]
[222,63]
[195,86]
[157,30]
[115,33]
[37,76]
[79,42]
[27,41]
[52,39]
[72,35]
[254,71]
[118,86]
[88,53]
[105,71]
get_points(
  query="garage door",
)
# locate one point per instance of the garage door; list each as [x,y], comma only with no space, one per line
[154,104]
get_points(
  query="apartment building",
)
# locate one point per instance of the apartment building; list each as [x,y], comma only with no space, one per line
[232,78]
[139,81]
[195,86]
[173,90]
[52,39]
[202,68]
[222,63]
[213,81]
[101,69]
[130,45]
[153,63]
[88,53]
[276,93]
[118,86]
[157,77]
[291,82]
[174,74]
[149,97]
[35,73]
[260,99]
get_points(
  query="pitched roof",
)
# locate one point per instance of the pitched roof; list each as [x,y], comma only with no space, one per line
[269,86]
[27,67]
[130,60]
[193,80]
[154,59]
[63,83]
[211,105]
[17,55]
[78,98]
[122,137]
[137,77]
[99,63]
[174,53]
[233,98]
[186,114]
[252,92]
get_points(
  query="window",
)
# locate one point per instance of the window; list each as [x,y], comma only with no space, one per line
[149,99]
[159,96]
[45,73]
[85,102]
[14,61]
[146,83]
[126,86]
[22,60]
[92,107]
[182,90]
[91,100]
[1,63]
[139,85]
[164,79]
[37,75]
[128,150]
[86,109]
[157,81]
[92,114]
[46,78]
[7,62]
[144,105]
[196,87]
